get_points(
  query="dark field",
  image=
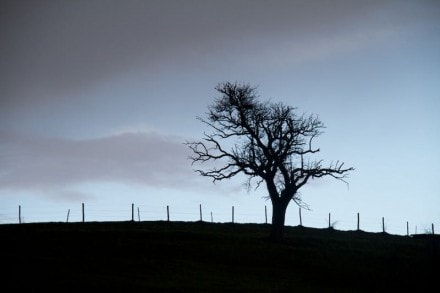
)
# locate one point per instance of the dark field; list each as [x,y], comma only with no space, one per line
[178,256]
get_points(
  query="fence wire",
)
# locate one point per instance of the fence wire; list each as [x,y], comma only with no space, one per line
[141,212]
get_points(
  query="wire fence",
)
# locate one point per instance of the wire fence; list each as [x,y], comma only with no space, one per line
[235,214]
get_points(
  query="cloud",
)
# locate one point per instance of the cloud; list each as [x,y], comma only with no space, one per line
[52,47]
[41,163]
[100,57]
[290,52]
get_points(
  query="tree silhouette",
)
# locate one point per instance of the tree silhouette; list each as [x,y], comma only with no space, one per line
[266,141]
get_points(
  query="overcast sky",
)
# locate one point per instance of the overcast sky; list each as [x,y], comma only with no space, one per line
[96,98]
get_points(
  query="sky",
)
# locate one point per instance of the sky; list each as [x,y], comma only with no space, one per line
[98,97]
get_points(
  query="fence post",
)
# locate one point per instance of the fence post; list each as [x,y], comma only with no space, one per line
[168,213]
[232,214]
[132,212]
[19,214]
[265,213]
[212,220]
[383,225]
[300,218]
[432,228]
[329,225]
[358,221]
[200,208]
[83,216]
[68,213]
[139,215]
[407,228]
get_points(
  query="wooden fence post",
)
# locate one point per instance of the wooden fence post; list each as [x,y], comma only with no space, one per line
[132,212]
[300,218]
[68,213]
[232,214]
[329,225]
[83,216]
[383,225]
[407,228]
[168,213]
[212,220]
[265,213]
[19,214]
[432,228]
[358,221]
[139,215]
[200,208]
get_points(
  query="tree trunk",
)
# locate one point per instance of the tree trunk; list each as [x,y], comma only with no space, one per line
[278,217]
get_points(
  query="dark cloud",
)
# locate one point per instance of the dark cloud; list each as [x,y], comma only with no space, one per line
[78,68]
[38,163]
[50,47]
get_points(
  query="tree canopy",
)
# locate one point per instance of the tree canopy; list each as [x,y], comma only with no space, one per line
[264,140]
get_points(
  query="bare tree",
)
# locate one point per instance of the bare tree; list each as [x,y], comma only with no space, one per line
[267,142]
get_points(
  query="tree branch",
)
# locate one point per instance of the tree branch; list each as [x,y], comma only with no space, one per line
[268,141]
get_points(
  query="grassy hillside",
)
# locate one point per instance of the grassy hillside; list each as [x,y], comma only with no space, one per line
[147,256]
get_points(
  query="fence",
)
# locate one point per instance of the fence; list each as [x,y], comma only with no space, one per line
[85,213]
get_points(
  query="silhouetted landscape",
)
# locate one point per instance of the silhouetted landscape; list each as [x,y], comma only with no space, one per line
[188,256]
[112,110]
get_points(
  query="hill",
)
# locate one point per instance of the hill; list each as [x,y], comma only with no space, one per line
[182,256]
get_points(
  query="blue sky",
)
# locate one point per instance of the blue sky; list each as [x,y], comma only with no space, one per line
[96,98]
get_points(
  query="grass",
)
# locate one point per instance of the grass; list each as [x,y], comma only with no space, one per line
[183,256]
